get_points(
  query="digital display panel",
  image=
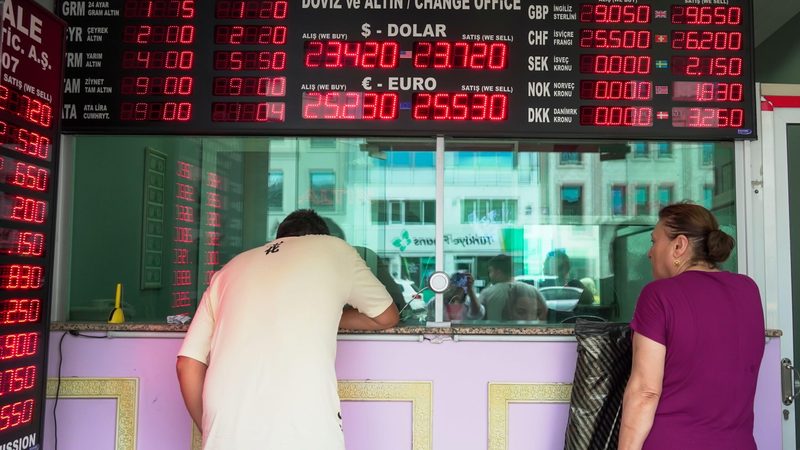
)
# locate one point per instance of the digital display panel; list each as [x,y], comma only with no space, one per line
[468,68]
[31,68]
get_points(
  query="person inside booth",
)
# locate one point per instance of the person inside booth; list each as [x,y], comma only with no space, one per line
[557,265]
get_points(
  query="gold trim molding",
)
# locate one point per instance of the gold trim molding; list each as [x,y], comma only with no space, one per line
[197,438]
[124,390]
[501,394]
[419,393]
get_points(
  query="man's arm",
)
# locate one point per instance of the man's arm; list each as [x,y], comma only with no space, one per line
[352,319]
[642,393]
[191,376]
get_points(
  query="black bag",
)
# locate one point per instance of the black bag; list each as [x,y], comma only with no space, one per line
[603,368]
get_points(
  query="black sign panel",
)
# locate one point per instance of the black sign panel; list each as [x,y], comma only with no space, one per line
[31,65]
[667,69]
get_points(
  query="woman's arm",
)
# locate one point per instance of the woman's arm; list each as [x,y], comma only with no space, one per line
[642,393]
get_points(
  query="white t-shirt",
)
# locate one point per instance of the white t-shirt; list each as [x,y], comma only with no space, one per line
[266,327]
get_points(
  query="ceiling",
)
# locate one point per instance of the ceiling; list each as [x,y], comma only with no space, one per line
[770,15]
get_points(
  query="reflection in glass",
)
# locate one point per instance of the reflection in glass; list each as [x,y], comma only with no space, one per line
[184,206]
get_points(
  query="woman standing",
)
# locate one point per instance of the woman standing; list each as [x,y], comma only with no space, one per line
[697,343]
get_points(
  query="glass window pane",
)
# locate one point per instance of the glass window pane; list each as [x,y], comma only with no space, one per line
[567,232]
[664,195]
[189,204]
[618,200]
[413,212]
[429,212]
[424,159]
[572,200]
[399,159]
[275,189]
[642,194]
[322,193]
[379,212]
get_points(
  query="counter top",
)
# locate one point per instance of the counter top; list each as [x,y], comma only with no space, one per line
[460,329]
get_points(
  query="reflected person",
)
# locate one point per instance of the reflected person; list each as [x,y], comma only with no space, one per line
[494,297]
[460,300]
[525,302]
[557,264]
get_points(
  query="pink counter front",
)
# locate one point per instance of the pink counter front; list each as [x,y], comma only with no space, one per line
[428,392]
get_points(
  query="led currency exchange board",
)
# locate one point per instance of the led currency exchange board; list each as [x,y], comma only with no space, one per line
[31,55]
[648,69]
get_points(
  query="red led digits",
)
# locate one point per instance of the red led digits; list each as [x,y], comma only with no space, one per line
[602,38]
[616,116]
[249,35]
[17,380]
[706,40]
[20,310]
[24,209]
[604,13]
[21,276]
[32,110]
[248,112]
[16,414]
[461,55]
[158,34]
[700,117]
[459,106]
[615,64]
[172,59]
[158,9]
[339,105]
[700,66]
[697,91]
[156,111]
[157,86]
[253,60]
[706,15]
[18,345]
[360,54]
[21,243]
[251,9]
[25,175]
[616,90]
[24,141]
[250,86]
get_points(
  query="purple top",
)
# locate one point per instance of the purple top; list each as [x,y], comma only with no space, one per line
[712,325]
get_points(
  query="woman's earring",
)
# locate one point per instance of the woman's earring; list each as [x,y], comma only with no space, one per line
[676,263]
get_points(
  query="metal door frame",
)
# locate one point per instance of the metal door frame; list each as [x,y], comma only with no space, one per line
[763,184]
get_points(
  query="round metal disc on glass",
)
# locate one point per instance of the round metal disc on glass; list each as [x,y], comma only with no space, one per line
[438,282]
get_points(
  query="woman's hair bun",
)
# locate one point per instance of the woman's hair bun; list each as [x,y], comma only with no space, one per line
[719,244]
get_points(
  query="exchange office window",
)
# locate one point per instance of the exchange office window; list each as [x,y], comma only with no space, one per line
[576,246]
[186,205]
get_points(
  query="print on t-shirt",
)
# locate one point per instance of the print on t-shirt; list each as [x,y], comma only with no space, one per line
[273,248]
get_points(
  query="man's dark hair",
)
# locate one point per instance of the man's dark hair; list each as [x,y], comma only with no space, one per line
[302,222]
[501,263]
